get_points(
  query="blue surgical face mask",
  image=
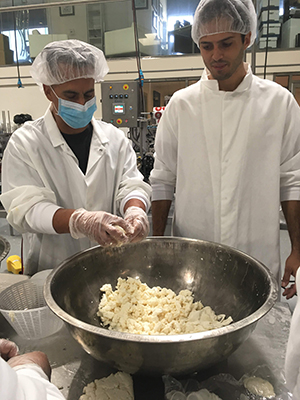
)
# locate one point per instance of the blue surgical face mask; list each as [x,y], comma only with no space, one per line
[76,115]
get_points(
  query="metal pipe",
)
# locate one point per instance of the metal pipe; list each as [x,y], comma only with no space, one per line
[159,71]
[49,5]
[253,58]
[4,126]
[8,122]
[253,50]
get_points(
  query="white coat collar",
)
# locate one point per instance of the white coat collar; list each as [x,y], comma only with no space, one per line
[212,84]
[57,138]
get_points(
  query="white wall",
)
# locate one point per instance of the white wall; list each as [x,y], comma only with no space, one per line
[75,26]
[32,101]
[117,15]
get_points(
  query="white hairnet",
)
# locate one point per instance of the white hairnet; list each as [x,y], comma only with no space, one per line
[219,16]
[65,60]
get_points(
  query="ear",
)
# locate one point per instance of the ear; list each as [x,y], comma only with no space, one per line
[48,92]
[247,40]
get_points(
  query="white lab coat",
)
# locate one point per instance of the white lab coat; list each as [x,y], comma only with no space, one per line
[232,156]
[38,166]
[292,361]
[28,382]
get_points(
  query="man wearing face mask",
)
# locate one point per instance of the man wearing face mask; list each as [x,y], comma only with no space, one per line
[69,181]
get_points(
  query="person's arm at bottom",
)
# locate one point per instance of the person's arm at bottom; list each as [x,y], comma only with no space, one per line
[26,378]
[35,384]
[36,358]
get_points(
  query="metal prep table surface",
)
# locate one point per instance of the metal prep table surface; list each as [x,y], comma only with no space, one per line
[72,368]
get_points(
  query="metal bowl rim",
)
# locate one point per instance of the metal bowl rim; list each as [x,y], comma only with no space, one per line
[132,337]
[6,248]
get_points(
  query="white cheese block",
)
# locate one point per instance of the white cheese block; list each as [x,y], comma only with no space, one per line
[117,386]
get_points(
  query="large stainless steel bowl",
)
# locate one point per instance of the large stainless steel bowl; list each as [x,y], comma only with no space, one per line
[4,248]
[226,279]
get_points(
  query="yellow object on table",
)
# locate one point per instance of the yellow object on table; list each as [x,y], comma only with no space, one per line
[14,264]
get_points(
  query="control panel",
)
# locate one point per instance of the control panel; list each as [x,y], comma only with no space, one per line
[120,103]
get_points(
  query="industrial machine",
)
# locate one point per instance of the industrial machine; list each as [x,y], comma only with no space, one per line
[120,103]
[122,107]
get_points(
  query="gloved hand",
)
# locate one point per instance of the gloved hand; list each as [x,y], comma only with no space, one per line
[8,349]
[139,224]
[36,357]
[105,228]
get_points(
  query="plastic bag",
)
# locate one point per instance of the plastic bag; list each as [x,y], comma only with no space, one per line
[226,387]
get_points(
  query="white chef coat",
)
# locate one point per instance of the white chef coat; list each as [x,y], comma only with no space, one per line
[292,361]
[38,166]
[232,156]
[27,382]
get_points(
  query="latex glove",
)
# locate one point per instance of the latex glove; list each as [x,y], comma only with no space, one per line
[139,224]
[8,349]
[105,228]
[36,357]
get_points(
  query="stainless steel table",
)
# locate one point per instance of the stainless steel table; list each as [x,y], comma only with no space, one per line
[72,368]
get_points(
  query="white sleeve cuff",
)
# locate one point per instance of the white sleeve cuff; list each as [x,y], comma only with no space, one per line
[35,385]
[33,368]
[135,194]
[40,217]
[288,194]
[161,191]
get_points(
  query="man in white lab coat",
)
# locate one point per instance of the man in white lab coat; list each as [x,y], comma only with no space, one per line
[67,179]
[229,147]
[25,377]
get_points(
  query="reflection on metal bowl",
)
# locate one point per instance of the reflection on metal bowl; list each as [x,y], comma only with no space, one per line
[226,279]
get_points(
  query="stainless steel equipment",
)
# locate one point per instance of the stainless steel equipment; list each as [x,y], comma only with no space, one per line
[226,279]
